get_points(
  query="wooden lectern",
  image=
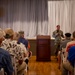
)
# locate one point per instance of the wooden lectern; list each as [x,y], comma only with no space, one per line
[43,48]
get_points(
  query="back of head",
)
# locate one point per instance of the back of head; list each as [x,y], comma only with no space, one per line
[16,36]
[21,33]
[68,35]
[9,32]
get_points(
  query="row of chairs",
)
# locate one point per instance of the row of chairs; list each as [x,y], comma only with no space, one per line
[14,64]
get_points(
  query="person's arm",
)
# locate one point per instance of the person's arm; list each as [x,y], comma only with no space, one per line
[28,45]
[62,35]
[55,34]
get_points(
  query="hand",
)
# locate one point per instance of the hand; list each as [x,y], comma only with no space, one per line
[57,34]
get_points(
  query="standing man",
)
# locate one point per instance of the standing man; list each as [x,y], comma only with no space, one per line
[57,34]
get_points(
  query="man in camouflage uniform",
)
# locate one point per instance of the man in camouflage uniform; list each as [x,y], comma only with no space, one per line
[57,34]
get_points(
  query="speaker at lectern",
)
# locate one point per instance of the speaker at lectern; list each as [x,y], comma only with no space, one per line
[43,48]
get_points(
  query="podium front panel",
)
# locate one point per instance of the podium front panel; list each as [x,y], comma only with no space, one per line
[43,48]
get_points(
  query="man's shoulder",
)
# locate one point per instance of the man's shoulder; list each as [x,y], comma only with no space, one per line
[55,31]
[66,40]
[63,42]
[71,43]
[22,39]
[61,31]
[3,51]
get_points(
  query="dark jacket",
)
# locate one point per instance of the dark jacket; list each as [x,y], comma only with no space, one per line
[5,62]
[24,41]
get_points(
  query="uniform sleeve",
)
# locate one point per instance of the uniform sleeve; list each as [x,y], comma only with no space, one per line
[62,35]
[54,34]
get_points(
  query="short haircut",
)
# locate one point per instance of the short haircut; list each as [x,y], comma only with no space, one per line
[21,32]
[68,34]
[58,26]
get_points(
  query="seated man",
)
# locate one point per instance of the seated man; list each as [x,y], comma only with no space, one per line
[67,39]
[5,58]
[69,64]
[26,43]
[22,39]
[63,45]
[13,48]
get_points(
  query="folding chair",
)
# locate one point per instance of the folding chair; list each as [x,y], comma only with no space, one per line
[63,56]
[14,64]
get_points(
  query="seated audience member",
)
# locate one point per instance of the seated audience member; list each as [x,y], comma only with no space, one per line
[22,39]
[13,48]
[23,48]
[67,39]
[69,64]
[26,43]
[63,45]
[5,58]
[72,43]
[16,37]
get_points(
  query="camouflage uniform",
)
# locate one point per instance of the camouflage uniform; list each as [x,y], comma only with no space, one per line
[57,35]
